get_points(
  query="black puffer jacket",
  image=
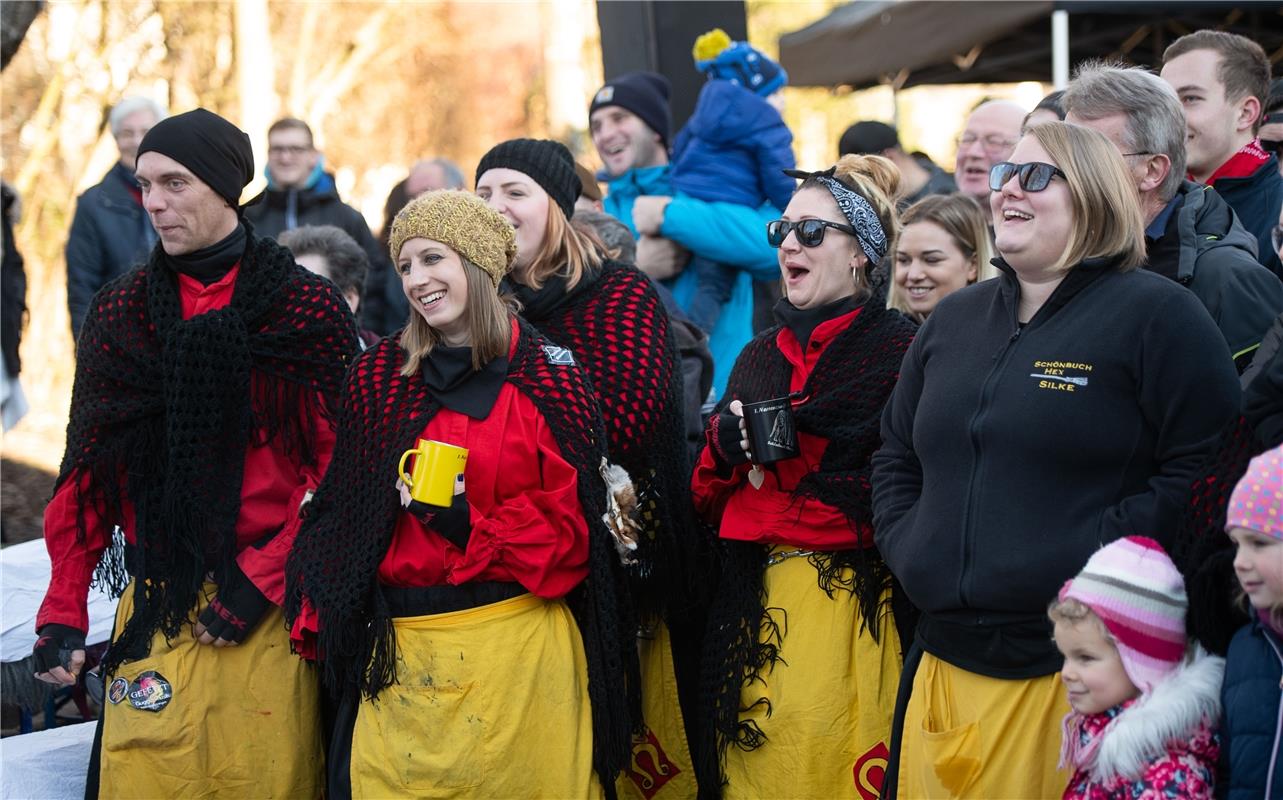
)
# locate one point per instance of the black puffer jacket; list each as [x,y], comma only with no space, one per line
[1206,249]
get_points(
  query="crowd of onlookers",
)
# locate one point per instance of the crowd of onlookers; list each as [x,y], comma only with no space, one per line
[986,489]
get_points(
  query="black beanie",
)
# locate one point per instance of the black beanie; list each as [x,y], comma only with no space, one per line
[215,150]
[867,137]
[643,93]
[548,164]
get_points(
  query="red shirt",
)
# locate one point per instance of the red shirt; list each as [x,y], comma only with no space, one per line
[528,525]
[272,489]
[772,514]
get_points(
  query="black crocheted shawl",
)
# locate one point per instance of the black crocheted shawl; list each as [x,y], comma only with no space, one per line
[163,408]
[348,528]
[620,334]
[841,401]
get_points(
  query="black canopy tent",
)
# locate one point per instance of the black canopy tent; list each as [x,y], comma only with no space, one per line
[919,42]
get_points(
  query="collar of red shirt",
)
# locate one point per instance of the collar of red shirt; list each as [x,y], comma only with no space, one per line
[1241,164]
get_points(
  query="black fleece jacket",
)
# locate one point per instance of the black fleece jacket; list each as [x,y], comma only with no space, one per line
[1010,454]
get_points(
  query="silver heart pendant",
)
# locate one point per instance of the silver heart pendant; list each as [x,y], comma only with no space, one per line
[756,476]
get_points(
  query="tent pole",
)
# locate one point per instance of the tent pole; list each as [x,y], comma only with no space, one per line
[1060,48]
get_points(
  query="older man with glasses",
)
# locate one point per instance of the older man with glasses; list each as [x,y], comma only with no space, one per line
[1192,235]
[988,137]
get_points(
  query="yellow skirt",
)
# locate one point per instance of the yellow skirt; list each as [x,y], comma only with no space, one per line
[966,735]
[489,702]
[238,721]
[832,696]
[660,767]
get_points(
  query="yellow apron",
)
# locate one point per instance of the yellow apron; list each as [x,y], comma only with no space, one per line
[966,735]
[660,766]
[489,702]
[832,696]
[242,721]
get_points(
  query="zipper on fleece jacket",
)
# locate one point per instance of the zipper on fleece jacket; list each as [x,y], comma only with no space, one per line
[986,391]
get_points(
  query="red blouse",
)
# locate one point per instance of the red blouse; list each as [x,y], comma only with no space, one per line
[272,490]
[771,514]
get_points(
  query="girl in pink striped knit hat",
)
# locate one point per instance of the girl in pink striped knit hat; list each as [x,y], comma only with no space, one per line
[1145,700]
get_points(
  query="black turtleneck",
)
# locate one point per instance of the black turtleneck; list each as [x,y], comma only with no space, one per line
[803,322]
[209,264]
[450,378]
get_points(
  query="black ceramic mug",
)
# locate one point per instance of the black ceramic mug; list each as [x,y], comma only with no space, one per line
[772,433]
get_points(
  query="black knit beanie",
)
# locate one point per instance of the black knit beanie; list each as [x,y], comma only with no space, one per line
[548,164]
[643,93]
[215,150]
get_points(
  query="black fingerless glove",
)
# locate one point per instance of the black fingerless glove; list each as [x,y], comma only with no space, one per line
[55,646]
[453,523]
[726,438]
[236,609]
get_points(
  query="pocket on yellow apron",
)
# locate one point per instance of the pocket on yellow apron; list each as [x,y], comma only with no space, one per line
[138,687]
[953,756]
[430,710]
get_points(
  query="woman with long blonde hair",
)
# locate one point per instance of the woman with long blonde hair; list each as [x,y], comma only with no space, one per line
[486,629]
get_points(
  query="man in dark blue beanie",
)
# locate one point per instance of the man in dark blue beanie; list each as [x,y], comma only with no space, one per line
[630,122]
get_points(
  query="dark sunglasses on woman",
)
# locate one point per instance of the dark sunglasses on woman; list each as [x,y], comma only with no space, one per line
[1034,176]
[810,232]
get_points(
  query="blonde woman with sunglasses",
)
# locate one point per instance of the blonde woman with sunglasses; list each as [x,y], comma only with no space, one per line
[1064,405]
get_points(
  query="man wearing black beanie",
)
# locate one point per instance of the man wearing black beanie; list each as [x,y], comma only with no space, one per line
[201,418]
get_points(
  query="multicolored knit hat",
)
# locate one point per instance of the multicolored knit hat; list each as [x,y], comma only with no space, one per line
[461,220]
[1257,501]
[1136,590]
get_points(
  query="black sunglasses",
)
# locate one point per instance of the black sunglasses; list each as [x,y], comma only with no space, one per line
[1034,176]
[810,232]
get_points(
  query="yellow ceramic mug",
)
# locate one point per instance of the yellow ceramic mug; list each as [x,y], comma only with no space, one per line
[436,465]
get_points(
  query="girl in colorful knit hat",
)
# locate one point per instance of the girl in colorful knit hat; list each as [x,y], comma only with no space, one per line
[1145,700]
[1253,691]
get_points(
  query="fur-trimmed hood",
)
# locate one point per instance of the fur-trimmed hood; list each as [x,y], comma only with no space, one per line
[1169,718]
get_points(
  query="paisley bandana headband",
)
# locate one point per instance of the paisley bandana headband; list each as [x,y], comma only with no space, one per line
[858,212]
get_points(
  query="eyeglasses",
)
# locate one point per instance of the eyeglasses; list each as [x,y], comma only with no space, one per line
[810,232]
[1034,176]
[287,150]
[992,143]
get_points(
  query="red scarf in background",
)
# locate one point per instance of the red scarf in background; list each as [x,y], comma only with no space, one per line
[1241,164]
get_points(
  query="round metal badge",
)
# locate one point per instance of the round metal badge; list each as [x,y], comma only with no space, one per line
[116,692]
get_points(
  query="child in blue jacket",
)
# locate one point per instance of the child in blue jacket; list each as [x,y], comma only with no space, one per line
[1252,694]
[733,149]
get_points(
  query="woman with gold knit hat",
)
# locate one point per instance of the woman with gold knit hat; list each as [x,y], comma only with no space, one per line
[474,639]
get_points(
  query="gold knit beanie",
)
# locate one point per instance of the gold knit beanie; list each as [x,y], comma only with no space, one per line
[462,221]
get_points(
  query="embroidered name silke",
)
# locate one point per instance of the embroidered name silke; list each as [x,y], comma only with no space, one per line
[1060,375]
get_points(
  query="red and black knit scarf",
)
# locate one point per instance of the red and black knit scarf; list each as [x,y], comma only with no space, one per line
[163,409]
[841,401]
[620,334]
[349,523]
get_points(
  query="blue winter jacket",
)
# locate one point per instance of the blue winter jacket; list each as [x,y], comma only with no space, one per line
[734,148]
[727,233]
[1252,730]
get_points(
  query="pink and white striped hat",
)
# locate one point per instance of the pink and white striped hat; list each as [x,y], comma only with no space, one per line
[1138,593]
